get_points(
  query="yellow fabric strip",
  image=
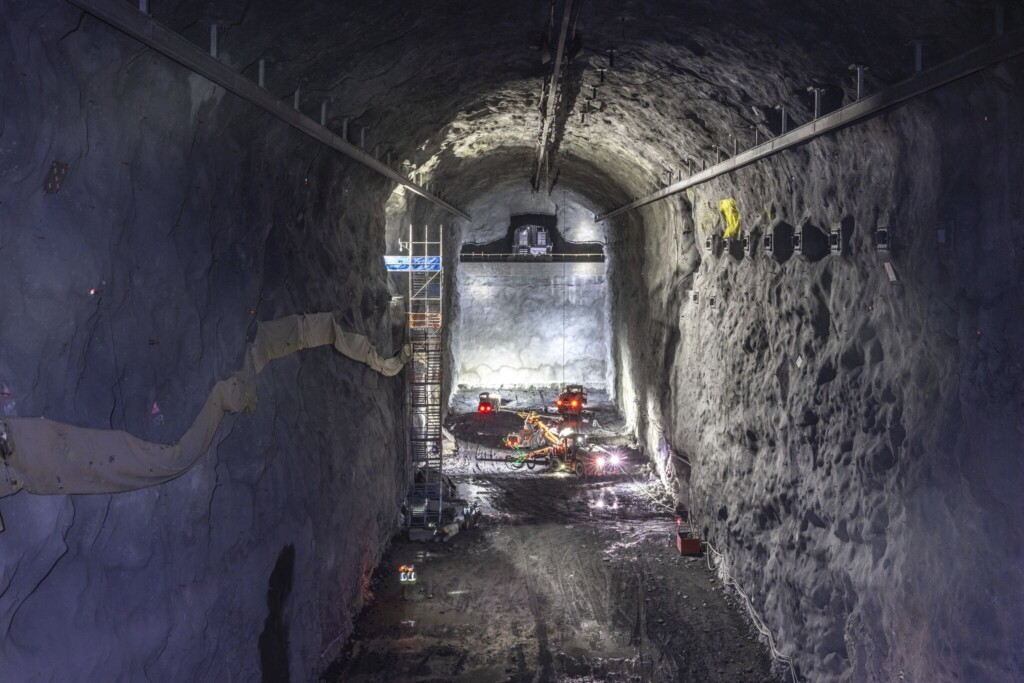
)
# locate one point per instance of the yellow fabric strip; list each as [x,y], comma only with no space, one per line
[47,457]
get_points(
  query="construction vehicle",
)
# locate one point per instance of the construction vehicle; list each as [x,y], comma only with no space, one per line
[531,240]
[608,460]
[537,443]
[490,402]
[572,400]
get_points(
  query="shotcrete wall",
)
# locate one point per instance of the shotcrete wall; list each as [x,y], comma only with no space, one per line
[183,217]
[520,324]
[532,324]
[855,443]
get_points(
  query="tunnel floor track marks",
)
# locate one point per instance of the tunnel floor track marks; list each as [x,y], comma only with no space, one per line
[566,579]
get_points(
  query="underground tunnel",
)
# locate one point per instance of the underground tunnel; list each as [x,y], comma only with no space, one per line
[549,340]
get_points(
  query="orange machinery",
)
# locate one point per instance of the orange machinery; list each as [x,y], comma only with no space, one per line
[537,443]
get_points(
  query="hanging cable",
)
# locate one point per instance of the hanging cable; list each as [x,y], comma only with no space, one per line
[564,290]
[561,221]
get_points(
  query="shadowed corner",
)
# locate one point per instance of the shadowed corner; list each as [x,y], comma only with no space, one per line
[273,641]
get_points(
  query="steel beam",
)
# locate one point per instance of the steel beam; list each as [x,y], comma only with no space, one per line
[127,18]
[550,110]
[1000,49]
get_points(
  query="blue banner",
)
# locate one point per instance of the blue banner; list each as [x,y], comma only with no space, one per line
[418,264]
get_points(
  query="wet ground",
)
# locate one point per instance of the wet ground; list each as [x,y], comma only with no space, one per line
[564,579]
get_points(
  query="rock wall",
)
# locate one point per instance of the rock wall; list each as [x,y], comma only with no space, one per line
[855,444]
[523,324]
[183,216]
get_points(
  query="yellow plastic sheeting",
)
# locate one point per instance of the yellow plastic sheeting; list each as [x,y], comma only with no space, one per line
[731,215]
[47,457]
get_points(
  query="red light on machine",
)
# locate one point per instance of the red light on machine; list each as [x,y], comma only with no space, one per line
[407,574]
[485,408]
[575,404]
[558,403]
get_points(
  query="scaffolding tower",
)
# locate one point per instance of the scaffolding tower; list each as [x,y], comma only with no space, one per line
[425,277]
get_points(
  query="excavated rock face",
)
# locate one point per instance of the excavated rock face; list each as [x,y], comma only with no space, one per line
[853,445]
[182,219]
[524,324]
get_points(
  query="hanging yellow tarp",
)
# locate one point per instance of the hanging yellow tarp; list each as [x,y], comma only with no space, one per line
[731,215]
[48,457]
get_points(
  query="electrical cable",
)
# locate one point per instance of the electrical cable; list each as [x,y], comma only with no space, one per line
[723,567]
[564,267]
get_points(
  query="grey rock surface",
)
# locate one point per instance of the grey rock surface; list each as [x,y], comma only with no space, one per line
[521,324]
[854,445]
[182,219]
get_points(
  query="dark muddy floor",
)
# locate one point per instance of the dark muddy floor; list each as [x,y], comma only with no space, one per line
[565,579]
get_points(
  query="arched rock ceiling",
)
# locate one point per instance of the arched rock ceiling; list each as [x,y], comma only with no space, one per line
[454,87]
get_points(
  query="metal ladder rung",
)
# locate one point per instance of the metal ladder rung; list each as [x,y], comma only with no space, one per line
[425,320]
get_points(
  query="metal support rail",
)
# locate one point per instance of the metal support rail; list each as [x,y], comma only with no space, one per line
[129,20]
[596,257]
[551,108]
[999,49]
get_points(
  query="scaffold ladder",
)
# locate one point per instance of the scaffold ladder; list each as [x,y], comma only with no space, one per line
[426,277]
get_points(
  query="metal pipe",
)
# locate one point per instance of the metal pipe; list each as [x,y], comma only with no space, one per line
[1000,18]
[213,40]
[295,98]
[262,73]
[918,54]
[817,100]
[323,113]
[362,137]
[860,69]
[785,120]
[144,6]
[125,18]
[344,129]
[999,49]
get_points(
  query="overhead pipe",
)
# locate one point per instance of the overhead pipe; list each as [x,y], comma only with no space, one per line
[550,110]
[1003,47]
[129,20]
